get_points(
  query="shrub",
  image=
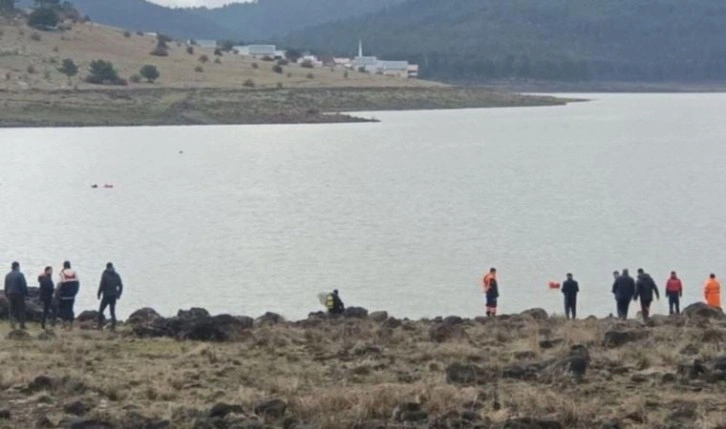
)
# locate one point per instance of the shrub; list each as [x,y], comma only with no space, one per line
[160,51]
[277,68]
[150,73]
[218,52]
[8,76]
[203,59]
[135,78]
[267,58]
[46,75]
[55,49]
[345,74]
[192,42]
[178,44]
[279,85]
[293,55]
[53,60]
[218,61]
[199,69]
[162,39]
[361,69]
[139,33]
[103,73]
[249,83]
[127,34]
[36,36]
[190,50]
[289,74]
[69,68]
[307,64]
[282,62]
[226,45]
[31,69]
[310,76]
[43,18]
[255,66]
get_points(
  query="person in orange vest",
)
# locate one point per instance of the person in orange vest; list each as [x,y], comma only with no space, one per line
[712,292]
[491,292]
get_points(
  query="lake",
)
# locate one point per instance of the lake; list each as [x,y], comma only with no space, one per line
[404,215]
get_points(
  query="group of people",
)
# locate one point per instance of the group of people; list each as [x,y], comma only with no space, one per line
[625,289]
[58,300]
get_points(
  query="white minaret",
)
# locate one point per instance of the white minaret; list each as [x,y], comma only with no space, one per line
[360,48]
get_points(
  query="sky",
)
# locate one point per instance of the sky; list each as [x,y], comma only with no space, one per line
[185,3]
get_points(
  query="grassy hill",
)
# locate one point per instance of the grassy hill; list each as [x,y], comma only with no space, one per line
[31,58]
[565,40]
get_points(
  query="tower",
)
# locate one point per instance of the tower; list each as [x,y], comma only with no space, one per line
[360,48]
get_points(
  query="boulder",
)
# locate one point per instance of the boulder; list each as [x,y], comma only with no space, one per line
[618,337]
[134,420]
[43,422]
[18,334]
[82,423]
[41,382]
[702,310]
[246,322]
[442,332]
[89,316]
[466,374]
[392,323]
[222,409]
[579,361]
[4,414]
[145,315]
[217,328]
[192,314]
[274,408]
[378,316]
[269,319]
[77,408]
[548,344]
[152,329]
[535,313]
[453,320]
[355,313]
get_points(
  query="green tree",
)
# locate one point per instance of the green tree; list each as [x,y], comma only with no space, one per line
[102,72]
[149,72]
[7,6]
[43,18]
[226,45]
[68,68]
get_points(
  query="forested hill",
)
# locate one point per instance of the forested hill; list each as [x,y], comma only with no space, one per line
[259,20]
[569,40]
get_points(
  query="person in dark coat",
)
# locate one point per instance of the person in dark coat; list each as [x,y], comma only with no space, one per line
[47,288]
[570,289]
[16,289]
[109,291]
[334,303]
[624,291]
[492,296]
[645,288]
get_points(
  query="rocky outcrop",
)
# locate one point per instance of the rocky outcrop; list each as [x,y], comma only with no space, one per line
[355,313]
[269,319]
[443,332]
[466,374]
[144,316]
[378,316]
[618,337]
[535,313]
[702,310]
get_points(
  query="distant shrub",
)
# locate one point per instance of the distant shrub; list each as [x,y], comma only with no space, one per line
[267,58]
[361,70]
[277,68]
[139,33]
[8,76]
[127,34]
[69,68]
[192,42]
[178,44]
[226,45]
[36,36]
[310,76]
[190,50]
[52,60]
[255,66]
[199,69]
[218,52]
[249,83]
[280,85]
[289,74]
[30,69]
[282,62]
[21,32]
[55,49]
[217,60]
[85,19]
[102,72]
[163,39]
[46,75]
[160,51]
[135,78]
[43,18]
[307,64]
[345,74]
[149,72]
[203,59]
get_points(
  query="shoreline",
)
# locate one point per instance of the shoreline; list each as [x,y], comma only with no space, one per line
[219,106]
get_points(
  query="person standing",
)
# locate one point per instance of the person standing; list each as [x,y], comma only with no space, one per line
[674,292]
[47,288]
[624,291]
[109,291]
[491,292]
[645,288]
[570,289]
[712,291]
[68,287]
[334,304]
[16,289]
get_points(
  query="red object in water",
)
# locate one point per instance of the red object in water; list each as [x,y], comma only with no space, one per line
[554,285]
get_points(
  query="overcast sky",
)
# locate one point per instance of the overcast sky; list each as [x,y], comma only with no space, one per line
[209,3]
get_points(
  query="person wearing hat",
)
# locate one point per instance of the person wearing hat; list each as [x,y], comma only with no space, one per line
[570,289]
[109,291]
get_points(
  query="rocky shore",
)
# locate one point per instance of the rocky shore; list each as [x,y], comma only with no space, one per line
[367,371]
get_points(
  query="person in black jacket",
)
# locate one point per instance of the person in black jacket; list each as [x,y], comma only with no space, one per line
[624,291]
[570,289]
[47,289]
[644,289]
[16,289]
[110,289]
[492,296]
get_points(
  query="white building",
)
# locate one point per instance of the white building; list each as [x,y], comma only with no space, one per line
[372,64]
[206,44]
[257,51]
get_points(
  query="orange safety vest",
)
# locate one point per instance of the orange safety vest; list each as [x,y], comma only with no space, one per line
[712,292]
[487,282]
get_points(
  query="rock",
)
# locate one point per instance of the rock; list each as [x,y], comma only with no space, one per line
[466,374]
[616,338]
[409,412]
[153,329]
[43,422]
[217,328]
[134,420]
[668,378]
[579,360]
[274,408]
[246,322]
[89,316]
[77,408]
[702,310]
[453,320]
[549,344]
[222,409]
[4,414]
[355,313]
[638,378]
[193,313]
[529,423]
[719,364]
[525,355]
[41,382]
[392,323]
[269,319]
[18,335]
[441,332]
[82,423]
[414,416]
[535,313]
[145,316]
[365,349]
[611,424]
[378,316]
[46,335]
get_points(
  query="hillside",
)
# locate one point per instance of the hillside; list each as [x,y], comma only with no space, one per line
[566,40]
[30,59]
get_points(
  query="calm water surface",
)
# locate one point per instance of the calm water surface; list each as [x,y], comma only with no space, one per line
[403,215]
